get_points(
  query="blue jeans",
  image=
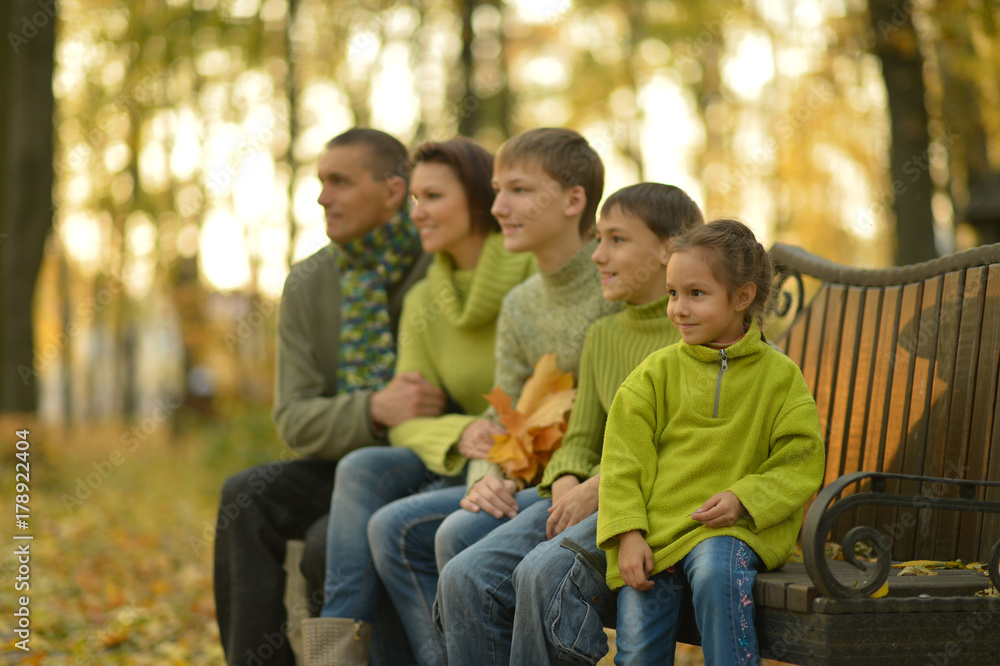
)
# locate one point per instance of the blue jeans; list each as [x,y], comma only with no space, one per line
[366,479]
[554,584]
[720,572]
[402,538]
[563,599]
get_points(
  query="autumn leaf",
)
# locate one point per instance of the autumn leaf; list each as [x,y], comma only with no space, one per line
[535,428]
[881,591]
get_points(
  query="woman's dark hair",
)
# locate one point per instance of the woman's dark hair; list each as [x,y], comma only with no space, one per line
[736,258]
[473,166]
[667,210]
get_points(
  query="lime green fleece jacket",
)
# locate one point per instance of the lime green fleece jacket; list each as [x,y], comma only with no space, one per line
[447,334]
[692,421]
[614,346]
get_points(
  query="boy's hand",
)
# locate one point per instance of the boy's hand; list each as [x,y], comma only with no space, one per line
[477,438]
[406,396]
[572,501]
[635,560]
[720,510]
[493,495]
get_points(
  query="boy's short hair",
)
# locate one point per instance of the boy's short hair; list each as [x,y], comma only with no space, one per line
[667,210]
[565,156]
[387,157]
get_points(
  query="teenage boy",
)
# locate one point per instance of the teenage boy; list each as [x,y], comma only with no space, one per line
[334,390]
[478,588]
[548,183]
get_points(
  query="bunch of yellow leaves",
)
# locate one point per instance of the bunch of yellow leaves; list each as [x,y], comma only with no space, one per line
[535,427]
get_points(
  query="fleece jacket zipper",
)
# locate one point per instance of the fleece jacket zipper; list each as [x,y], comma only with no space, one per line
[718,382]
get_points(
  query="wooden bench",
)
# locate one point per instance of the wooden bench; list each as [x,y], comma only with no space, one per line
[904,365]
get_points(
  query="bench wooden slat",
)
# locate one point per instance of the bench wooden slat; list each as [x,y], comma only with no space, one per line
[814,340]
[991,523]
[829,356]
[920,341]
[985,420]
[897,413]
[877,359]
[938,532]
[879,412]
[849,412]
[955,460]
[836,421]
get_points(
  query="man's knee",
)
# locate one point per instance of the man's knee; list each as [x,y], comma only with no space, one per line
[381,526]
[449,540]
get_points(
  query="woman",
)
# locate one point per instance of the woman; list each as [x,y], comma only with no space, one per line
[446,336]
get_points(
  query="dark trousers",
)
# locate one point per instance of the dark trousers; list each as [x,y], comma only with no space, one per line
[261,508]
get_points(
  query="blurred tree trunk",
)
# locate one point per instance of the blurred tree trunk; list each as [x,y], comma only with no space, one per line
[965,135]
[482,101]
[897,47]
[292,93]
[26,121]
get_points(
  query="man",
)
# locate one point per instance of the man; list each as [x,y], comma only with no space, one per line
[334,390]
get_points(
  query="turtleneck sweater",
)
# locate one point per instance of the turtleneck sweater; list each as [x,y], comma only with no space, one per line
[548,312]
[614,346]
[447,334]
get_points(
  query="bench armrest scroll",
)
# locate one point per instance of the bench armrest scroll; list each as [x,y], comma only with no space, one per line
[829,506]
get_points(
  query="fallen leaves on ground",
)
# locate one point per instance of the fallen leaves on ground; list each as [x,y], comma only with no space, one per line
[121,559]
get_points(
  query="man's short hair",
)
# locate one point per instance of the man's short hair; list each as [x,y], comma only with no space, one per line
[565,156]
[386,157]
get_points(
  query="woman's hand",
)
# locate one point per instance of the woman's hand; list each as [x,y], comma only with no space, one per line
[493,495]
[477,438]
[572,501]
[635,560]
[720,510]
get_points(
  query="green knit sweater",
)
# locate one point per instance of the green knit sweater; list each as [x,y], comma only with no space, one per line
[447,334]
[613,348]
[689,423]
[549,312]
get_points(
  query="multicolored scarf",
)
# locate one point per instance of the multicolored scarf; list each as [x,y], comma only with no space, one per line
[368,265]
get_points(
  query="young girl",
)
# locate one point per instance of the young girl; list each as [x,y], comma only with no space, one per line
[712,449]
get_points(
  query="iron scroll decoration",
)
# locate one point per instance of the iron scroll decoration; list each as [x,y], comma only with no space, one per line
[786,297]
[827,509]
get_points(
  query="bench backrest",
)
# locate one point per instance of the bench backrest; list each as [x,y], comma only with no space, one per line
[904,365]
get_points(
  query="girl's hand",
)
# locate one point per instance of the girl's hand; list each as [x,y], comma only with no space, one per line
[493,495]
[570,506]
[720,510]
[635,560]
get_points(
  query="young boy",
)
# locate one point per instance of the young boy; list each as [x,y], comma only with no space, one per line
[479,587]
[548,183]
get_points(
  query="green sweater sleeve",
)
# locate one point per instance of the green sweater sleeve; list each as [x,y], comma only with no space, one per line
[433,439]
[581,448]
[794,469]
[430,438]
[629,462]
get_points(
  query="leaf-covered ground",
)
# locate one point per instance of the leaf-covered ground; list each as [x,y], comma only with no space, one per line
[120,568]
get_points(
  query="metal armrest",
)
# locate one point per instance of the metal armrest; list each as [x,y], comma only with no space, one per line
[829,506]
